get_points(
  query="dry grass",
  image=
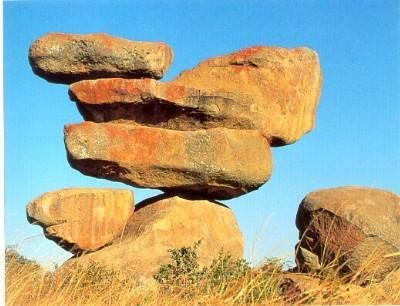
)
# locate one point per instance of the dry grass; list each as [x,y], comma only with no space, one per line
[28,284]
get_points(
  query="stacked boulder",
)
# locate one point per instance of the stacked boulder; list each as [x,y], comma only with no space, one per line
[356,229]
[204,136]
[82,219]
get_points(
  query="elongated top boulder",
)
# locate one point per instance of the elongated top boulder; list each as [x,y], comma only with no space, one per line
[215,163]
[163,223]
[274,90]
[82,219]
[67,58]
[358,226]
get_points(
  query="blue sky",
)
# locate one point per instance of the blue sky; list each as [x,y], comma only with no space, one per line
[356,140]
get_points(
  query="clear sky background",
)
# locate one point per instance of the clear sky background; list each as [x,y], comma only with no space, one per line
[356,140]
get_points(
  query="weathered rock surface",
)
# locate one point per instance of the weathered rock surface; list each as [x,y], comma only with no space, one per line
[67,58]
[153,103]
[162,223]
[274,90]
[357,226]
[215,163]
[82,219]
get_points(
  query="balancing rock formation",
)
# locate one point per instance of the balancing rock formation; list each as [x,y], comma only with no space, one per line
[273,90]
[203,136]
[67,58]
[213,163]
[357,226]
[162,223]
[82,219]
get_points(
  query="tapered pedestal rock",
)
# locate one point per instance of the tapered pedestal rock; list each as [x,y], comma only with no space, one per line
[215,163]
[162,223]
[82,219]
[359,227]
[274,90]
[67,58]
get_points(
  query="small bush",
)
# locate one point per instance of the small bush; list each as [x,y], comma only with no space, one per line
[184,270]
[224,269]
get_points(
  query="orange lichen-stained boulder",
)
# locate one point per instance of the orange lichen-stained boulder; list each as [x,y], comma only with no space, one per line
[67,58]
[153,103]
[355,227]
[82,219]
[163,223]
[271,89]
[216,163]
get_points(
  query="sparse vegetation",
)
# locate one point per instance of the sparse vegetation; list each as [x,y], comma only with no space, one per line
[185,269]
[185,276]
[226,281]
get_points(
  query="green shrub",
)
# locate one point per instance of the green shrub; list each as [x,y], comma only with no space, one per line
[184,270]
[225,269]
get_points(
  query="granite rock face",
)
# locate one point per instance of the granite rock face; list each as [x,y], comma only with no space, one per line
[358,226]
[67,58]
[215,163]
[274,90]
[162,223]
[82,219]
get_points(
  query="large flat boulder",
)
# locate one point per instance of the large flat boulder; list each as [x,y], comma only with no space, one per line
[215,163]
[67,58]
[162,223]
[82,219]
[274,90]
[357,227]
[153,103]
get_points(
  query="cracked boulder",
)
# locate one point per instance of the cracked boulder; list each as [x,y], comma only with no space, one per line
[162,223]
[82,219]
[270,89]
[67,58]
[355,229]
[216,163]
